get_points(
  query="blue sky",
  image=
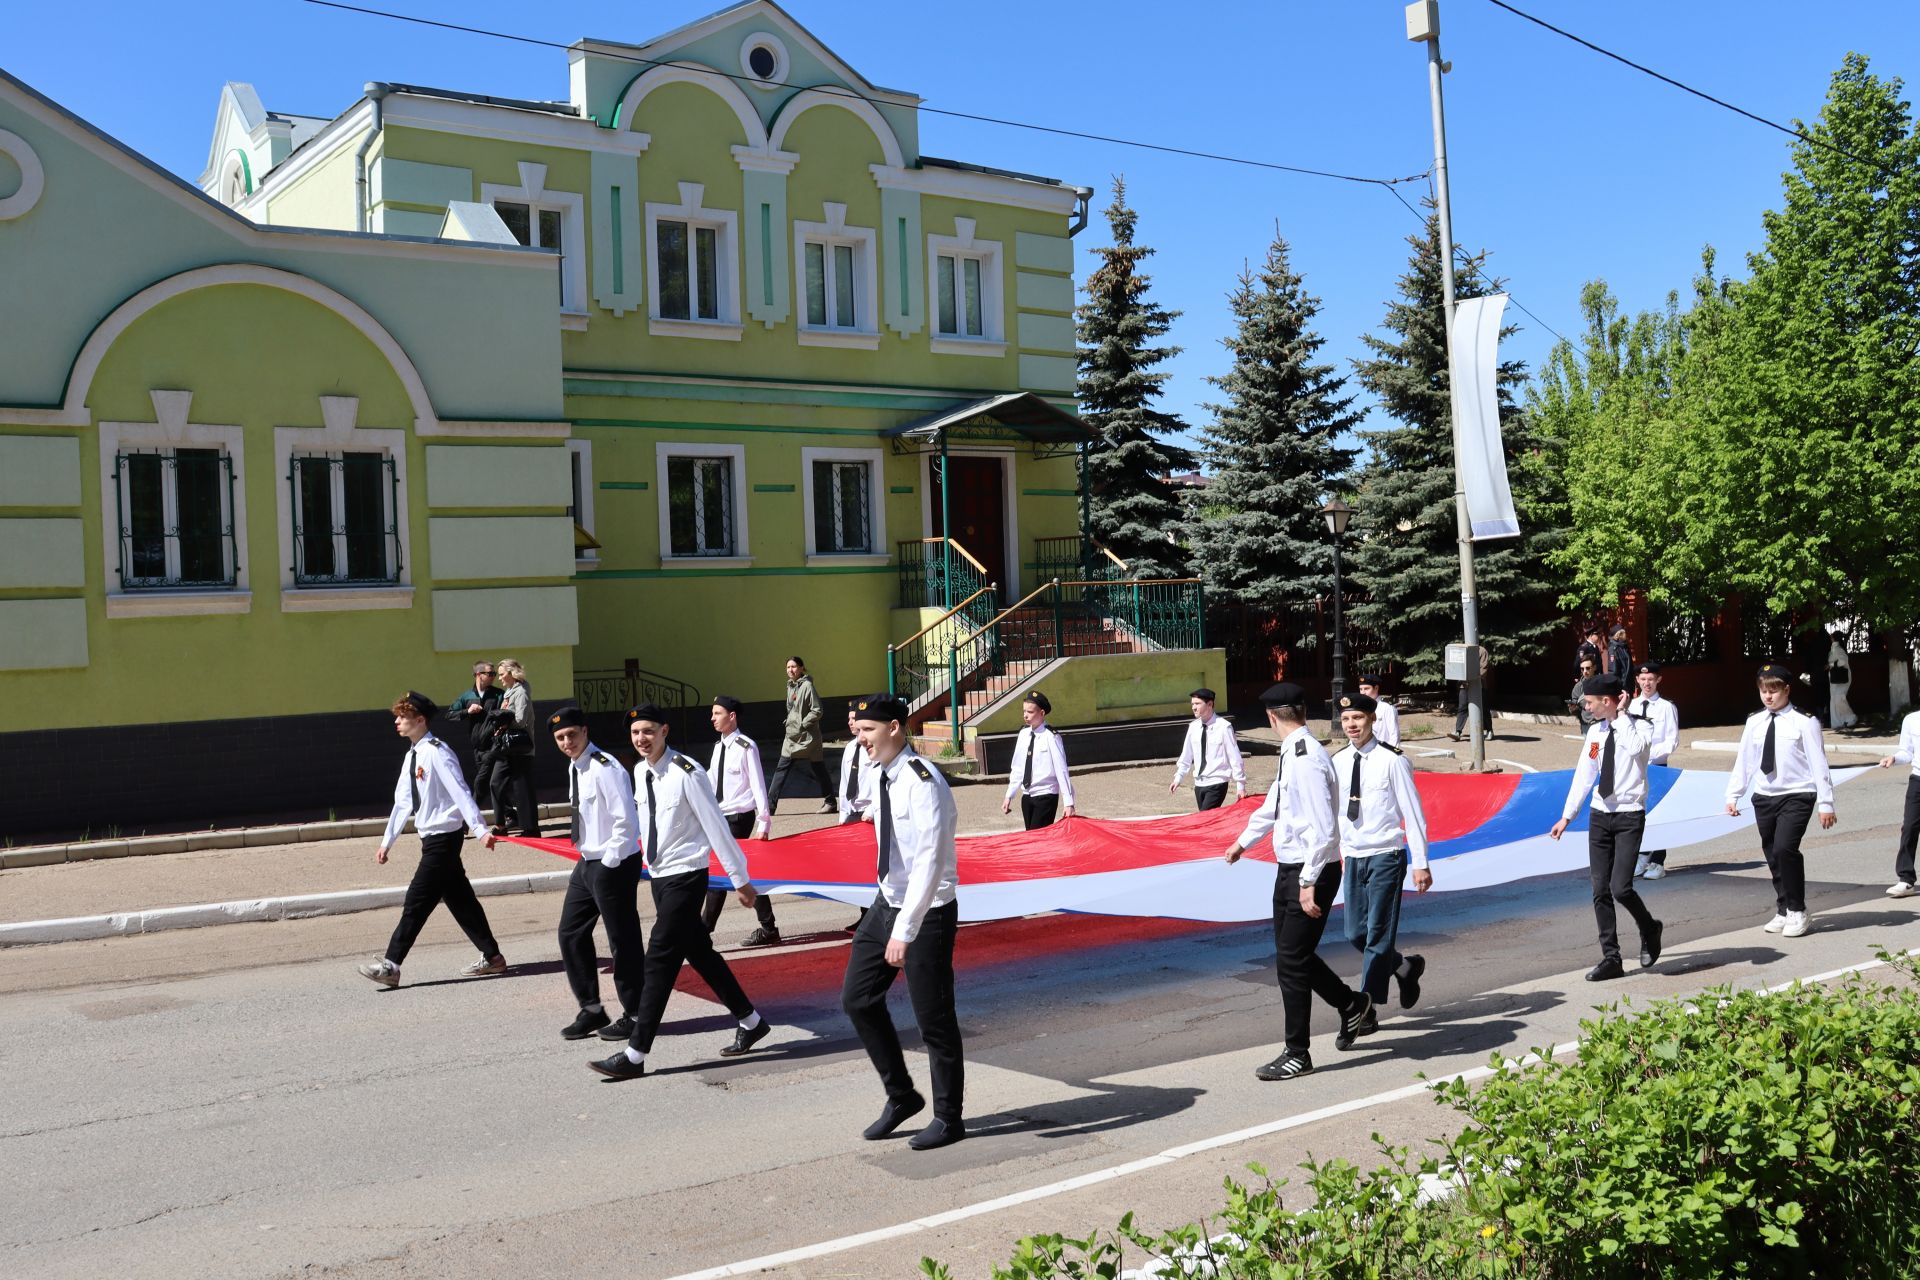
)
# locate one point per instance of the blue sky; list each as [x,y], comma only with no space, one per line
[1566,166]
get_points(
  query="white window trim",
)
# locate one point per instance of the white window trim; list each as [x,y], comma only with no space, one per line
[533,192]
[341,434]
[171,430]
[1010,496]
[692,211]
[738,452]
[865,336]
[962,243]
[588,557]
[876,460]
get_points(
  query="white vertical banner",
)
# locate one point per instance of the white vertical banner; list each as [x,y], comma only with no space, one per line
[1476,416]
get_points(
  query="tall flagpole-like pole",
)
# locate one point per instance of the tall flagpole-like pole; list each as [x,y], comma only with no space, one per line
[1423,26]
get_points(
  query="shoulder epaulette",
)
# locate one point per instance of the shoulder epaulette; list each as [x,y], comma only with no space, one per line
[919,767]
[601,757]
[1300,747]
[432,741]
[1389,746]
[685,764]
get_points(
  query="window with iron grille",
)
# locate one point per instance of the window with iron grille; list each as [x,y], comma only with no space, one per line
[344,532]
[700,506]
[1764,635]
[1676,638]
[842,508]
[175,519]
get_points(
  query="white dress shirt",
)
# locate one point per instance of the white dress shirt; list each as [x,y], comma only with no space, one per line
[743,783]
[445,803]
[1219,761]
[1050,777]
[1389,801]
[1908,752]
[1386,723]
[1299,808]
[923,866]
[1666,724]
[685,818]
[1632,742]
[600,789]
[856,777]
[1799,758]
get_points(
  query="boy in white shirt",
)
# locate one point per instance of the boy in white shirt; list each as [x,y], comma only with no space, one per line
[1039,767]
[1386,716]
[1664,718]
[1212,752]
[1782,756]
[1908,752]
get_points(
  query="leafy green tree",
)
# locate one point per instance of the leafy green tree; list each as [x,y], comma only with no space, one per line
[1132,507]
[1273,452]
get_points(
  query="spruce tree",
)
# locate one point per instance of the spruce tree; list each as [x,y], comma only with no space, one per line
[1273,452]
[1406,556]
[1132,507]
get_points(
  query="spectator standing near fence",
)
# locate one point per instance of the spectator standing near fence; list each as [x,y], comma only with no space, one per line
[509,770]
[471,709]
[1460,717]
[801,740]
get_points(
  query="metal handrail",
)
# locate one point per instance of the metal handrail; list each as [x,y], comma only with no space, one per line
[964,553]
[1105,551]
[1015,607]
[990,587]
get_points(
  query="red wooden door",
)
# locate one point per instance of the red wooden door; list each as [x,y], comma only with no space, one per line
[978,513]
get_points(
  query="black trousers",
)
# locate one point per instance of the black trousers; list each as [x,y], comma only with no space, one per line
[929,985]
[610,897]
[440,877]
[741,825]
[1210,796]
[1613,845]
[1039,811]
[1296,957]
[1782,821]
[1909,832]
[777,786]
[510,779]
[679,934]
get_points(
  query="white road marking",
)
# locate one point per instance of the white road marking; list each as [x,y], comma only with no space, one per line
[1524,768]
[1431,751]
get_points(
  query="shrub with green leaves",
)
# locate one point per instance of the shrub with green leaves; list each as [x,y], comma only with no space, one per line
[1740,1133]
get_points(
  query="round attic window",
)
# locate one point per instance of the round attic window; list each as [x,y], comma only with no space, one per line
[764,59]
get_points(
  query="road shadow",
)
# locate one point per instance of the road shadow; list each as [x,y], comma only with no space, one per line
[1848,921]
[1677,964]
[1476,1025]
[1000,1136]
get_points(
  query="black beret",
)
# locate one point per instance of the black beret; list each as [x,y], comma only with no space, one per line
[1039,700]
[1204,694]
[1358,702]
[648,711]
[1774,671]
[1373,680]
[727,702]
[1284,694]
[422,705]
[880,708]
[567,718]
[1604,687]
[1647,668]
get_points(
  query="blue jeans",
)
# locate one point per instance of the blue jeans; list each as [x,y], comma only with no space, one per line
[1373,886]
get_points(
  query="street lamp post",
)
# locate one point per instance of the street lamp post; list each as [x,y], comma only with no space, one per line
[1337,514]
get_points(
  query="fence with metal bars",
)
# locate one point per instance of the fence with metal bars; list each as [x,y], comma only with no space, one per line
[938,573]
[174,517]
[918,667]
[614,691]
[344,525]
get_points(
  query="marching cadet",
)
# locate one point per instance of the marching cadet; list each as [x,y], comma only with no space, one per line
[605,882]
[1782,755]
[431,793]
[1382,823]
[1664,717]
[1213,754]
[1299,811]
[1613,767]
[1039,767]
[681,820]
[1908,753]
[740,785]
[855,772]
[1386,717]
[910,925]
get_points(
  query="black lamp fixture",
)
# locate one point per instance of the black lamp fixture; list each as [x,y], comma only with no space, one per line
[1337,514]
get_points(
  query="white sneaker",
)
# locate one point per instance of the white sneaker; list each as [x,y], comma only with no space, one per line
[1776,924]
[383,971]
[1901,889]
[1798,922]
[1656,871]
[1640,865]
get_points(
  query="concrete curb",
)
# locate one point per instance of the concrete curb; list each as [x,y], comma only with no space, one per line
[250,910]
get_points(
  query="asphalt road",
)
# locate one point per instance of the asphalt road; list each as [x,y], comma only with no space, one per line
[236,1102]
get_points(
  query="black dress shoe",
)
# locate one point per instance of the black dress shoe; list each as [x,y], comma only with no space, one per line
[940,1133]
[893,1115]
[1650,945]
[762,937]
[1351,1020]
[1606,971]
[589,1021]
[1285,1067]
[1410,981]
[619,1067]
[619,1029]
[744,1039]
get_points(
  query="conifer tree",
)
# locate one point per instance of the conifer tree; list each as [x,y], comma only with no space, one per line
[1406,554]
[1273,452]
[1132,507]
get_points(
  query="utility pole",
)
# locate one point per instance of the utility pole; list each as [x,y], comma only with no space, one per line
[1423,26]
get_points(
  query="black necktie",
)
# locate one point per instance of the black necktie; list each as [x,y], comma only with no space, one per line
[1033,742]
[1767,761]
[573,802]
[1353,791]
[1201,768]
[413,784]
[853,774]
[1606,767]
[720,771]
[653,825]
[886,832]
